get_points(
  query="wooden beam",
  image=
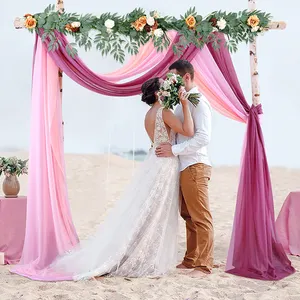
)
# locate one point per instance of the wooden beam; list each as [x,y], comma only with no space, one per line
[277,25]
[19,24]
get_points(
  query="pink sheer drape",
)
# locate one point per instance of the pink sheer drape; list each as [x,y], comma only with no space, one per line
[254,250]
[287,224]
[49,227]
[143,61]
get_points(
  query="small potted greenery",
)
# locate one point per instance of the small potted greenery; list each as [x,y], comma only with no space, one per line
[12,167]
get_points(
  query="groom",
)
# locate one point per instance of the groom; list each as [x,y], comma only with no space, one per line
[195,170]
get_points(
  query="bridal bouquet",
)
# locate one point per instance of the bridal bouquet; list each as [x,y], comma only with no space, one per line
[168,94]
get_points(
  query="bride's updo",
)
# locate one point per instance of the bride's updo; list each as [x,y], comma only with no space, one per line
[149,89]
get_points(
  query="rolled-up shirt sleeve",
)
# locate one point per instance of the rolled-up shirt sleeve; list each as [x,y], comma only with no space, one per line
[202,121]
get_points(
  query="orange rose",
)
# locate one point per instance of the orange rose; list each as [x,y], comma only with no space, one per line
[68,27]
[138,25]
[190,21]
[71,28]
[30,22]
[27,15]
[143,20]
[253,21]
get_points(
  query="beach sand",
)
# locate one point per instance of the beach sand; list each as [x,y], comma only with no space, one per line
[92,193]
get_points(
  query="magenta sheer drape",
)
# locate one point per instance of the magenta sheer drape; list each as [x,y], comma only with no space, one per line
[81,74]
[254,249]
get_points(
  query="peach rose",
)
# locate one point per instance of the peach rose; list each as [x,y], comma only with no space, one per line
[30,22]
[190,21]
[28,15]
[253,21]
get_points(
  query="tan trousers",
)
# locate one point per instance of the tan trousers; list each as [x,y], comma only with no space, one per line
[195,211]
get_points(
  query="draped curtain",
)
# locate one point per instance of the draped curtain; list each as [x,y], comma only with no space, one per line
[49,226]
[254,249]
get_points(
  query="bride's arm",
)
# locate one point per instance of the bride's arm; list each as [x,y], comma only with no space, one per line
[187,127]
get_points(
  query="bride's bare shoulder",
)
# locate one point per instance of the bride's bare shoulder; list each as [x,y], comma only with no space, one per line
[151,113]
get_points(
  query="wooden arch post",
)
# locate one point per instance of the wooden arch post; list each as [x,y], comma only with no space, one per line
[60,8]
[253,56]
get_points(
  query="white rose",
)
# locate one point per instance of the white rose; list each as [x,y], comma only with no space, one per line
[255,29]
[215,29]
[158,32]
[110,24]
[174,78]
[150,21]
[221,24]
[166,94]
[166,85]
[75,24]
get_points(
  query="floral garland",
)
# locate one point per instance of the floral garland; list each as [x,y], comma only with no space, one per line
[113,34]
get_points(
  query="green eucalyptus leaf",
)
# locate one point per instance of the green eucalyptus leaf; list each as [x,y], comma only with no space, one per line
[125,38]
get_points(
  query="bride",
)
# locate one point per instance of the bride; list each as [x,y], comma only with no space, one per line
[139,236]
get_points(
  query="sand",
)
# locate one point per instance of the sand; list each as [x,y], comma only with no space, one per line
[91,196]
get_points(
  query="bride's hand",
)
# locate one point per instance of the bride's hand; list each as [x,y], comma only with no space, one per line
[183,96]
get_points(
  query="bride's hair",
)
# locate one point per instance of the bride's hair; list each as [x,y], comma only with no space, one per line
[149,89]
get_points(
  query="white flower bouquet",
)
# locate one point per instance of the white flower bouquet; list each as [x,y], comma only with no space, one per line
[168,94]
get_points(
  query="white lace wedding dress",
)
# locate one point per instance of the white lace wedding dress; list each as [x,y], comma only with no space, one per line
[139,236]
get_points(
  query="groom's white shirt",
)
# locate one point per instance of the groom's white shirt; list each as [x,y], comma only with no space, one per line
[194,150]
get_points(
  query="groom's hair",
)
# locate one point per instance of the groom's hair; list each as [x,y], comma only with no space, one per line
[182,67]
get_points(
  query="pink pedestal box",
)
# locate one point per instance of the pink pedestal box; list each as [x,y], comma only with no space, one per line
[1,258]
[12,228]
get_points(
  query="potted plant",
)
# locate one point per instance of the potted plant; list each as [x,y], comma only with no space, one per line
[12,167]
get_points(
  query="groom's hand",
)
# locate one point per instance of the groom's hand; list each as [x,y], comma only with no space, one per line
[164,150]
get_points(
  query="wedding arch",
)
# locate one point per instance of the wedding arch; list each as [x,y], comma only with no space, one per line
[155,42]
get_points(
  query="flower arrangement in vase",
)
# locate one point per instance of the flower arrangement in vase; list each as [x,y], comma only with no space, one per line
[12,167]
